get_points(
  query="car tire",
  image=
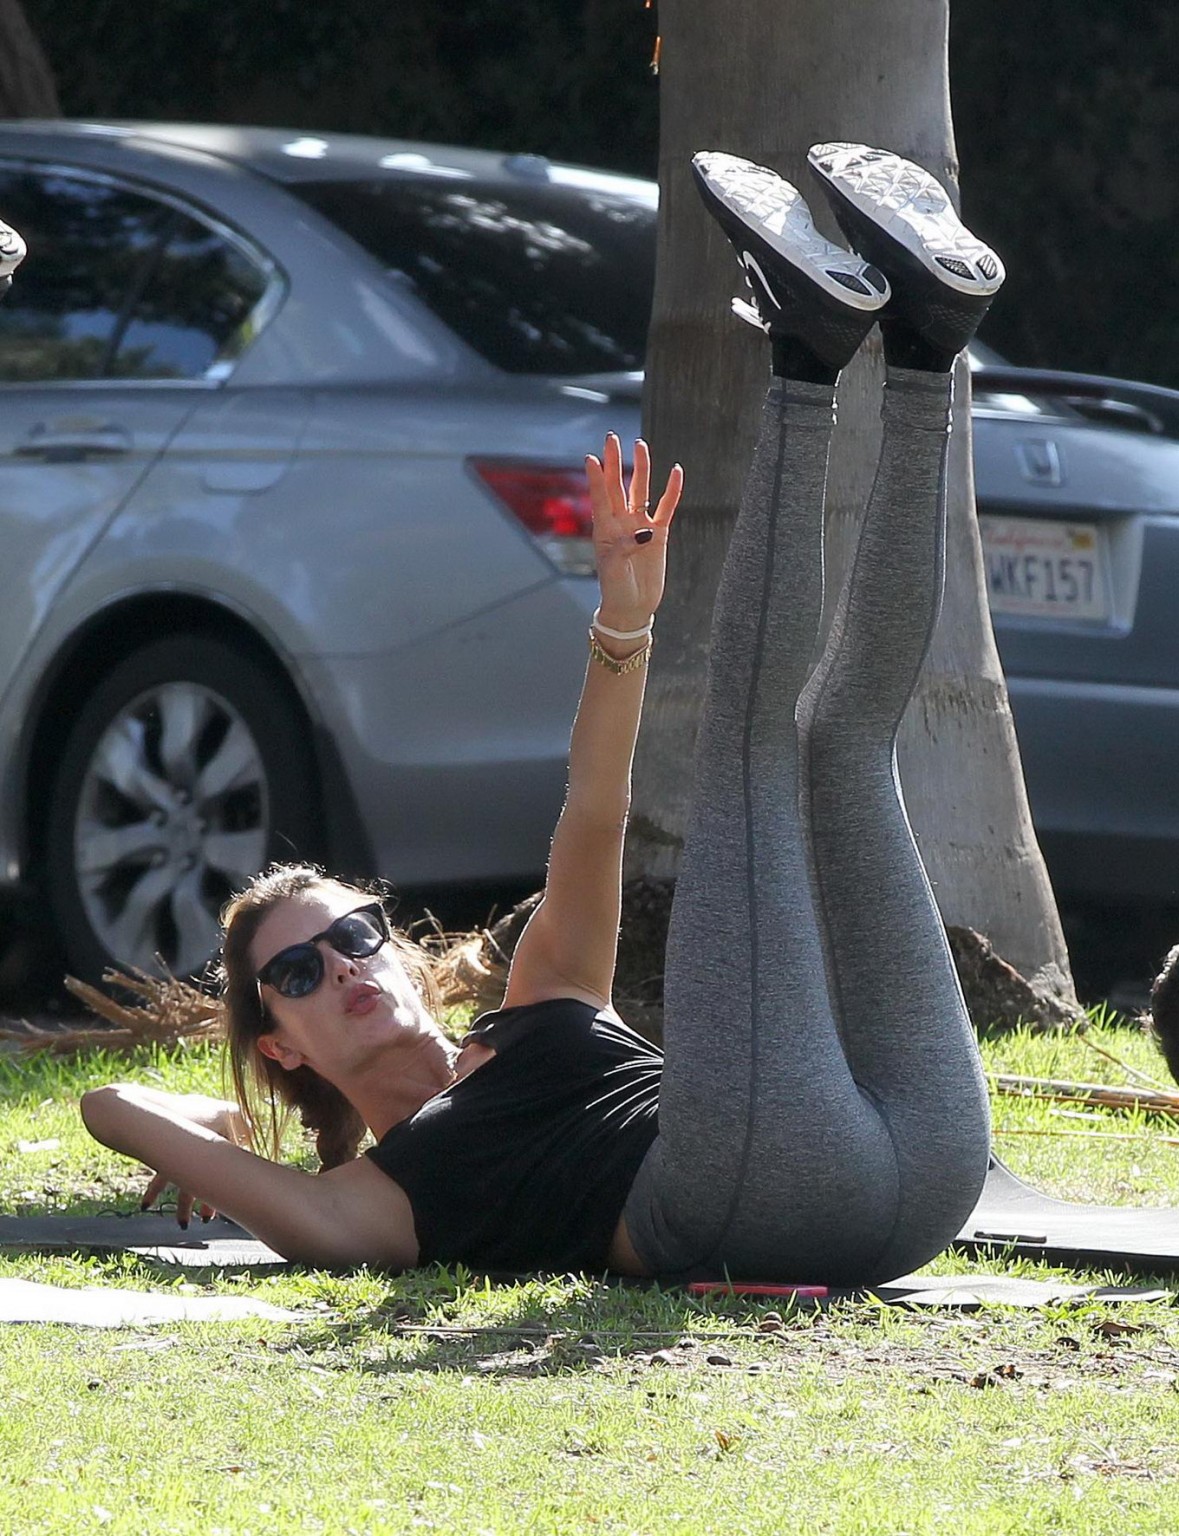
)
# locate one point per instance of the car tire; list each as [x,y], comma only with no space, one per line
[186,771]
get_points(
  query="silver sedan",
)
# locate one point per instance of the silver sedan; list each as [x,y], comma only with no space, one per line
[295,536]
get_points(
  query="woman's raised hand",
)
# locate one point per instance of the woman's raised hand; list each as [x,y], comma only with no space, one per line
[630,539]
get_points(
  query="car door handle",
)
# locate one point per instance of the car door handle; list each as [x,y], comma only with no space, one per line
[69,443]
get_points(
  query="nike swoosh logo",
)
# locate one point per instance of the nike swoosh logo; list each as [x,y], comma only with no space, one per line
[749,262]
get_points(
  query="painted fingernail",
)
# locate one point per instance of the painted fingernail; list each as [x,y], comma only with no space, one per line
[644,535]
[184,1226]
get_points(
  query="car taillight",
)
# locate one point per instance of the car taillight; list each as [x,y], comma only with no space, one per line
[552,503]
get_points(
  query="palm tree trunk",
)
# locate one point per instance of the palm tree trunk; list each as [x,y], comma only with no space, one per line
[766,79]
[26,81]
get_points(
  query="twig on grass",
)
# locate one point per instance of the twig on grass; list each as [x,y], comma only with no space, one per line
[1153,1100]
[1014,1130]
[1142,1077]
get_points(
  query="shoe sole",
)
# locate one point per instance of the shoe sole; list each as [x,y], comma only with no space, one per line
[754,204]
[12,251]
[943,277]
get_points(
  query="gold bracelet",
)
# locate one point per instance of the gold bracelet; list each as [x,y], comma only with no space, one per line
[612,664]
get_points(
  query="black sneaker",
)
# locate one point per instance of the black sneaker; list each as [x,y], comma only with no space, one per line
[817,301]
[943,278]
[12,253]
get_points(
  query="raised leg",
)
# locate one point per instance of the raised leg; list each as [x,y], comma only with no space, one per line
[823,1114]
[757,1099]
[895,994]
[758,1104]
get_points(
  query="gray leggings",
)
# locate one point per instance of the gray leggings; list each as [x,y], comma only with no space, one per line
[823,1114]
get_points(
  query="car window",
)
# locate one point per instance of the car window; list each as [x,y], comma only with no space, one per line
[193,305]
[537,278]
[89,243]
[117,284]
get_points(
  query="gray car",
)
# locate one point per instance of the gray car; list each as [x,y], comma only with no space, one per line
[1078,494]
[295,553]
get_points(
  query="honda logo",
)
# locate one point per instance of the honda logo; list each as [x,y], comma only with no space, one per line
[1039,461]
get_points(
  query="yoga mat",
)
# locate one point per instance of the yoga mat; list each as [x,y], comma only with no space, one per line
[150,1234]
[221,1244]
[1012,1217]
[963,1293]
[966,1293]
[28,1301]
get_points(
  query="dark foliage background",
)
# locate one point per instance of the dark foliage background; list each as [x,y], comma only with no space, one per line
[1067,119]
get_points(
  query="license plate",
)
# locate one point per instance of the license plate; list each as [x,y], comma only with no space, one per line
[1045,569]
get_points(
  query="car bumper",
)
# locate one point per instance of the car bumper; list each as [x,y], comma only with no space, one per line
[1099,761]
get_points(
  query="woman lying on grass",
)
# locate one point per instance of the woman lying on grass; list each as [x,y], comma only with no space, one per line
[821,1114]
[327,1011]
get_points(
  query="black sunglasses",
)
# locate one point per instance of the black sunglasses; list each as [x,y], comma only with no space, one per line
[297,970]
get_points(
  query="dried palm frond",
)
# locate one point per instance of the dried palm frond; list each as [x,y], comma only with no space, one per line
[170,1011]
[472,967]
[468,968]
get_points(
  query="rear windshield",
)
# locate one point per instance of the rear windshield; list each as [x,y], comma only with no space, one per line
[536,278]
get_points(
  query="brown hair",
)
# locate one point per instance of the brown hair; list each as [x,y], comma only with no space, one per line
[264,1090]
[1164,1010]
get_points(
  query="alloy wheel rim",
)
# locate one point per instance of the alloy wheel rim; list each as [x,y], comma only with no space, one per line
[173,817]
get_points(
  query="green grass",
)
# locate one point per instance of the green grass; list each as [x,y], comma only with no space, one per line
[439,1402]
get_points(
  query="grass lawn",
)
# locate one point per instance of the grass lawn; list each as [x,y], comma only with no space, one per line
[439,1402]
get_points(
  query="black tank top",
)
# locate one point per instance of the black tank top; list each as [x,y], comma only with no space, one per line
[526,1163]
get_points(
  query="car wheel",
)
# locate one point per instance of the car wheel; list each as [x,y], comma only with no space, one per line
[186,771]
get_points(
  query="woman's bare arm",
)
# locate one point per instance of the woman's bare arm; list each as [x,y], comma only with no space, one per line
[569,946]
[215,1115]
[354,1214]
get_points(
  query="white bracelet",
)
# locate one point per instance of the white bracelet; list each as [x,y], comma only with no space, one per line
[622,634]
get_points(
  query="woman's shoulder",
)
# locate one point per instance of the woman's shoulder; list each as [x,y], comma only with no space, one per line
[503,1027]
[561,1021]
